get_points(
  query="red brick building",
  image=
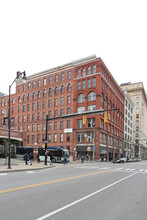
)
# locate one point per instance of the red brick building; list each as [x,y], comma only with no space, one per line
[82,85]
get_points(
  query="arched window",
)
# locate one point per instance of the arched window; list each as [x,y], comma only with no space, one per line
[69,87]
[92,96]
[29,97]
[39,94]
[33,95]
[106,101]
[44,93]
[56,90]
[50,91]
[81,98]
[24,98]
[62,89]
[102,97]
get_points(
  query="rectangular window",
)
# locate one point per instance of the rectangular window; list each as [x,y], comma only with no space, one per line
[55,138]
[89,83]
[55,125]
[62,76]
[61,137]
[84,84]
[94,81]
[68,137]
[62,100]
[33,116]
[61,124]
[28,139]
[68,123]
[33,139]
[68,110]
[56,113]
[38,138]
[69,75]
[50,80]
[79,85]
[80,123]
[56,102]
[49,138]
[38,115]
[62,112]
[49,126]
[68,99]
[33,127]
[38,105]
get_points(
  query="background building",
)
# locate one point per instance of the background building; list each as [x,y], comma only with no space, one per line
[128,127]
[137,93]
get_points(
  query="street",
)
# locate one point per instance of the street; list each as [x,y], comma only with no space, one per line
[90,191]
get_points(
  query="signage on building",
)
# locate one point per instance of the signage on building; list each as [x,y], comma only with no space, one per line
[88,148]
[68,130]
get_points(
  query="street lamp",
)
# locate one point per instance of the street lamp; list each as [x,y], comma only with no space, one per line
[23,77]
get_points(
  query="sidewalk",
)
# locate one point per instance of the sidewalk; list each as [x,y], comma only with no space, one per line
[19,165]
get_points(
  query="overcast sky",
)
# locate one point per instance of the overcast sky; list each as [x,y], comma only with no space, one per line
[36,35]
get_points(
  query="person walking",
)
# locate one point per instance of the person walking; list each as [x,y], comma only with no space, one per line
[65,160]
[26,158]
[31,158]
[82,158]
[51,159]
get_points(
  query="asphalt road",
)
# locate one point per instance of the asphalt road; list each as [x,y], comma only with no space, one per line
[90,191]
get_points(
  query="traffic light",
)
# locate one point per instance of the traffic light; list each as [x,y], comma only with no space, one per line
[84,120]
[106,117]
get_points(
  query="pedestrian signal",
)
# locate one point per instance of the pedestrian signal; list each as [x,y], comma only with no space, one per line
[84,120]
[106,117]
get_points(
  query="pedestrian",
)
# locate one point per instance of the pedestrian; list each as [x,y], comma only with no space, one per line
[38,159]
[65,160]
[51,159]
[87,156]
[82,158]
[31,158]
[26,158]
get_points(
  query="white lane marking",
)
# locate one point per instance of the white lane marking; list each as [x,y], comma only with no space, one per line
[104,168]
[145,170]
[30,171]
[141,170]
[119,168]
[80,200]
[132,169]
[3,174]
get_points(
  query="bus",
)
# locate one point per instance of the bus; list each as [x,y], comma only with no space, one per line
[58,153]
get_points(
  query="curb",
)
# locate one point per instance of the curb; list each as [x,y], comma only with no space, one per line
[20,170]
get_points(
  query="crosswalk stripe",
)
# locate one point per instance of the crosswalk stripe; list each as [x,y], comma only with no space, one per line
[141,170]
[3,174]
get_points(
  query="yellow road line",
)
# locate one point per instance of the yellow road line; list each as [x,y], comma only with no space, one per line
[50,182]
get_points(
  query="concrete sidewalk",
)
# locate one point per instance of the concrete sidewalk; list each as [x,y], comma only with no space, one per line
[19,165]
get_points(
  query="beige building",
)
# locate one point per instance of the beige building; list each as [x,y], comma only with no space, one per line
[138,95]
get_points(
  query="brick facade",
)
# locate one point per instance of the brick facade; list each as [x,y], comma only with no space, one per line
[84,84]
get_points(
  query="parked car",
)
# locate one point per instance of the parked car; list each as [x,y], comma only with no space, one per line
[129,160]
[134,159]
[115,160]
[122,160]
[138,159]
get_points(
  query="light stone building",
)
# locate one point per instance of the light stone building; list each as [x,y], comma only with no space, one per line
[137,93]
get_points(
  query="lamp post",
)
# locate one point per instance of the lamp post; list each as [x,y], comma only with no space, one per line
[45,161]
[19,74]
